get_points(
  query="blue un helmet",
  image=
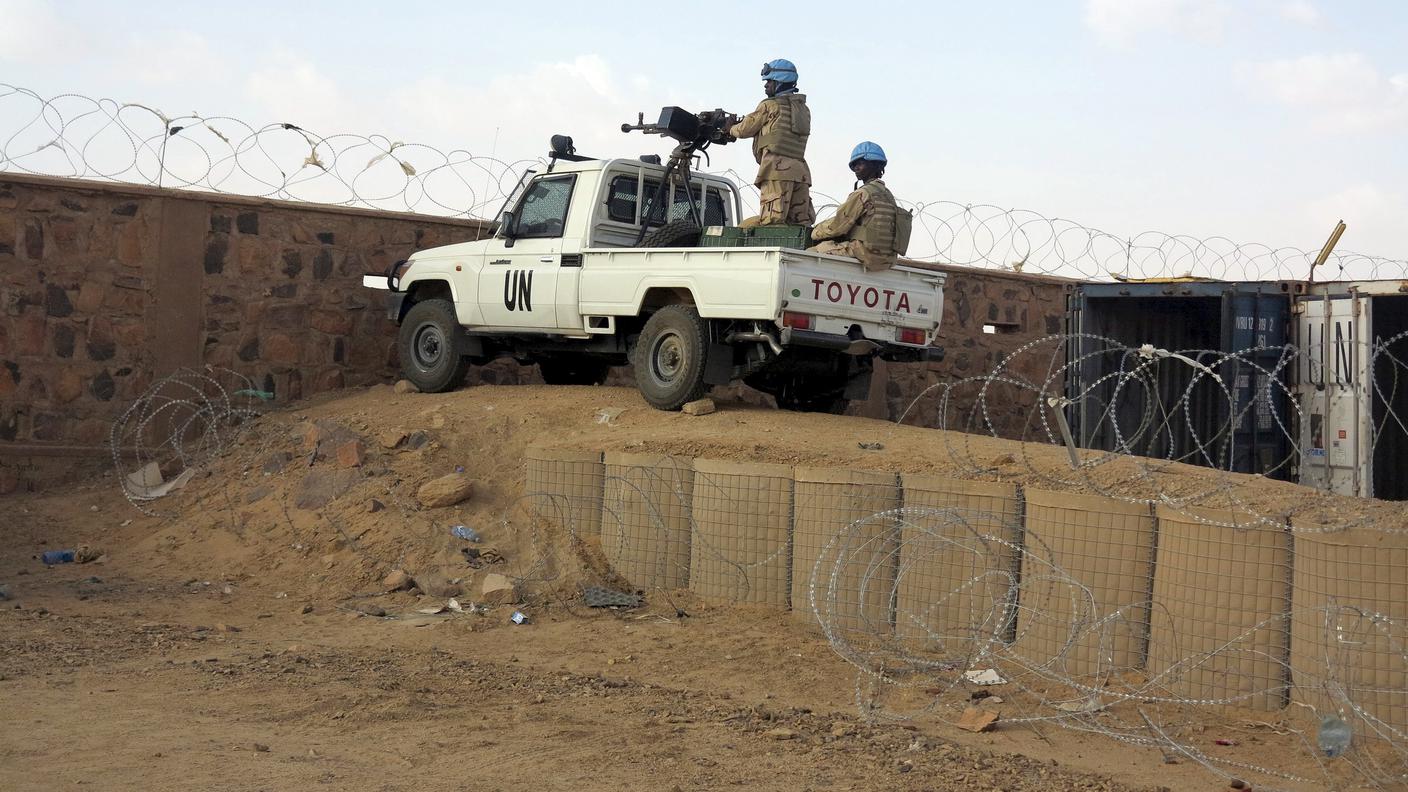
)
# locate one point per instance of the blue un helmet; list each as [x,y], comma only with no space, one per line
[865,150]
[781,70]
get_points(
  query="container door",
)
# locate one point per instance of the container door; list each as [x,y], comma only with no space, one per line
[1335,440]
[1255,326]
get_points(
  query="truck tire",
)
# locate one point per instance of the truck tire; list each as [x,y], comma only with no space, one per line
[573,371]
[429,347]
[669,357]
[676,233]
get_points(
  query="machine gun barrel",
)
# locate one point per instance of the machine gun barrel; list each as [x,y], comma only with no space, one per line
[696,130]
[693,132]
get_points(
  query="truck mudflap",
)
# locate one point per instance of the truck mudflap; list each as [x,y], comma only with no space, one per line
[395,301]
[390,282]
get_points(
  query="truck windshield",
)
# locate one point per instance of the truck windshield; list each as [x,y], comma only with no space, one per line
[512,199]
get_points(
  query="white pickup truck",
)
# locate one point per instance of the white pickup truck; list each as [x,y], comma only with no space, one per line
[563,284]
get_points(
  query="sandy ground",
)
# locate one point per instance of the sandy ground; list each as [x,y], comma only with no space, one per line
[226,642]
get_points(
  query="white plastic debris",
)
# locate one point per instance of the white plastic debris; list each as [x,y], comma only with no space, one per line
[984,676]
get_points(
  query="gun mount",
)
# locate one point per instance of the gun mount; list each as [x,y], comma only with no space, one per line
[693,134]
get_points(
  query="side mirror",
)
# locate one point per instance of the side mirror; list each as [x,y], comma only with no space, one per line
[506,228]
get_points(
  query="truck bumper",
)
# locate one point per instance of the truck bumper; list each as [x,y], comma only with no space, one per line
[791,336]
[835,342]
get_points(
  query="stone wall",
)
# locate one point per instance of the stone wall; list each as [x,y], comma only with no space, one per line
[1019,309]
[105,287]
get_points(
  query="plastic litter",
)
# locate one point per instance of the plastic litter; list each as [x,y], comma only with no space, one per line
[147,483]
[452,605]
[466,533]
[1092,704]
[1334,736]
[51,557]
[608,415]
[984,676]
[519,617]
[598,597]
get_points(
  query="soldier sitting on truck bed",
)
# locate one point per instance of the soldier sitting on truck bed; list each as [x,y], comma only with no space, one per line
[780,128]
[868,226]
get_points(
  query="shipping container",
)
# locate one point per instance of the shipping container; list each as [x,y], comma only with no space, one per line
[1175,408]
[1353,387]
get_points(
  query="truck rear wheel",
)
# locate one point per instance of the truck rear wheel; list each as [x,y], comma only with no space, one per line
[429,347]
[669,357]
[676,233]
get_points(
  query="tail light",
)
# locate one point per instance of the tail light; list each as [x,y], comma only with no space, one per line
[799,321]
[909,335]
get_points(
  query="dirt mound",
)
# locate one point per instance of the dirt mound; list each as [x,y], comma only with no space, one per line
[286,538]
[291,505]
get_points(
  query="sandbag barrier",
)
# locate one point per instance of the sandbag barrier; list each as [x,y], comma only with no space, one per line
[1087,603]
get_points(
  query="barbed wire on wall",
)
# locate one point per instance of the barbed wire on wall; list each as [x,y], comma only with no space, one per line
[75,136]
[1024,241]
[1097,415]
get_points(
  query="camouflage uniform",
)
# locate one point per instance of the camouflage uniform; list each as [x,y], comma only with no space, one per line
[863,228]
[780,128]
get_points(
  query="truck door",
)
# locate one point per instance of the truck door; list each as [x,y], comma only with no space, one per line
[518,283]
[1332,389]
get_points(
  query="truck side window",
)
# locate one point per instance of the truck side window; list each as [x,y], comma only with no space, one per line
[621,203]
[713,207]
[543,212]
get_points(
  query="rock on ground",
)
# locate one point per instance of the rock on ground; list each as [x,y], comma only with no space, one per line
[699,407]
[445,491]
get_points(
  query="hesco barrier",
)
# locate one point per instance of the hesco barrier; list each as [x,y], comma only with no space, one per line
[1218,626]
[1086,573]
[645,522]
[958,563]
[742,544]
[568,486]
[1199,607]
[1349,627]
[839,514]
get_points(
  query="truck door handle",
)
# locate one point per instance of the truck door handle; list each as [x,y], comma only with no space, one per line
[547,259]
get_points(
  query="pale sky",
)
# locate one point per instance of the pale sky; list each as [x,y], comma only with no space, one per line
[1260,121]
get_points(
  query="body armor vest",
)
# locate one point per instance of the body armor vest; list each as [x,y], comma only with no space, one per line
[787,136]
[877,232]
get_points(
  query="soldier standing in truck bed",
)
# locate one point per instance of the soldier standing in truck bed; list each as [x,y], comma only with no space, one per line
[780,128]
[869,226]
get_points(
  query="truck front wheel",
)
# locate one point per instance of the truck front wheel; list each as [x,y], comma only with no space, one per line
[669,357]
[429,347]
